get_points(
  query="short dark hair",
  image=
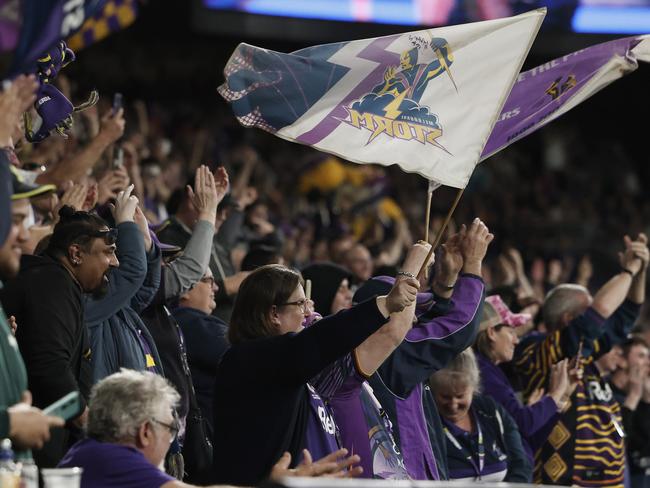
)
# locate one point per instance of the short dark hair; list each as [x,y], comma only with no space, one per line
[265,287]
[74,227]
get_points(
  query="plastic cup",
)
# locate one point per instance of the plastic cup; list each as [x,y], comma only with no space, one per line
[62,477]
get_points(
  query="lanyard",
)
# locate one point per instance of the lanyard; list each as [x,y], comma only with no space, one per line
[468,455]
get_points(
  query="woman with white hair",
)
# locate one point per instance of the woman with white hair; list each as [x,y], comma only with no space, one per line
[483,442]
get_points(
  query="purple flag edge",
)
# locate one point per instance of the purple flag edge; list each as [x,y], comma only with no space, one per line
[502,136]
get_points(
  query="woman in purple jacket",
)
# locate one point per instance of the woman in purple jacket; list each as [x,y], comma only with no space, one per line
[495,345]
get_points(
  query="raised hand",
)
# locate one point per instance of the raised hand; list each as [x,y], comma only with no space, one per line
[403,294]
[205,195]
[112,127]
[14,101]
[124,207]
[474,243]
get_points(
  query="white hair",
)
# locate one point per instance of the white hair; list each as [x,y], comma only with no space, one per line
[120,403]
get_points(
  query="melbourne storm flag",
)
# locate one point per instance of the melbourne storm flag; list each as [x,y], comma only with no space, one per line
[424,100]
[545,92]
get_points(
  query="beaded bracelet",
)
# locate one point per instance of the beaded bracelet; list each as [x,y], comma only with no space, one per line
[406,273]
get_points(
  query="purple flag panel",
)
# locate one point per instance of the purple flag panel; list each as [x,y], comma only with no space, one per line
[542,94]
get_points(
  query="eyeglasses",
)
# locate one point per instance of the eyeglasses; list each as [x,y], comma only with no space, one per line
[207,279]
[173,428]
[302,304]
[109,236]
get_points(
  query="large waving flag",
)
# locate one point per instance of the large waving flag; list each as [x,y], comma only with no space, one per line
[544,93]
[425,100]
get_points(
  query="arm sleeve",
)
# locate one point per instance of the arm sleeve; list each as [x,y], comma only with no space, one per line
[529,419]
[149,288]
[617,327]
[123,281]
[190,267]
[330,380]
[429,346]
[519,468]
[294,359]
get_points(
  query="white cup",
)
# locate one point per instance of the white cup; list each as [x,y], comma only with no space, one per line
[62,477]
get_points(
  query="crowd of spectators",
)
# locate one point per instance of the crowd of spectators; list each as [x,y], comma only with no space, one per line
[230,307]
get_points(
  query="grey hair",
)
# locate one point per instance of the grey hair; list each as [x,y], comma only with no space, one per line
[120,403]
[560,300]
[462,371]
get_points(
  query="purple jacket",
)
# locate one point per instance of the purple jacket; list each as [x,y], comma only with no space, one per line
[529,419]
[447,328]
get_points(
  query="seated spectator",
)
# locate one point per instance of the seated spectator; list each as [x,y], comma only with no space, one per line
[130,426]
[205,338]
[495,345]
[262,381]
[482,439]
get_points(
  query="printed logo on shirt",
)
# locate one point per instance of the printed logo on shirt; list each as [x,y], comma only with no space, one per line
[327,421]
[596,391]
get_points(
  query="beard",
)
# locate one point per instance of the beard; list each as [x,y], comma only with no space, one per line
[100,291]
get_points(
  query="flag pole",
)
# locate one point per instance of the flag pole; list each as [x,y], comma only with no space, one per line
[427,222]
[441,231]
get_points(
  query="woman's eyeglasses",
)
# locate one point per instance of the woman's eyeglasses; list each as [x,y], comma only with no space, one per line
[302,304]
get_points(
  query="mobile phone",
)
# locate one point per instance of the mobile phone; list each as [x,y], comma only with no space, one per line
[117,102]
[118,159]
[67,407]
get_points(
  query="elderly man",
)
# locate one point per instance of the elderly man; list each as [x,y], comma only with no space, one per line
[585,447]
[130,427]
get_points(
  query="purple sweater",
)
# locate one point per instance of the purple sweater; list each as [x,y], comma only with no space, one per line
[529,419]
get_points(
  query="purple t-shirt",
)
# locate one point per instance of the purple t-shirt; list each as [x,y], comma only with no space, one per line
[107,465]
[321,433]
[367,431]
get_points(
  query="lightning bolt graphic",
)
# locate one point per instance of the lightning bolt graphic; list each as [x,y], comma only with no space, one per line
[379,58]
[391,110]
[445,66]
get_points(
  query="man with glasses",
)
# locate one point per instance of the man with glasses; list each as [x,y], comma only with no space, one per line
[130,427]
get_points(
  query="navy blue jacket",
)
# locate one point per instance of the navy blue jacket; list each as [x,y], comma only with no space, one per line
[205,342]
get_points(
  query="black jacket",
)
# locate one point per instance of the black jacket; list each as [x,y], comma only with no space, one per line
[261,404]
[47,303]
